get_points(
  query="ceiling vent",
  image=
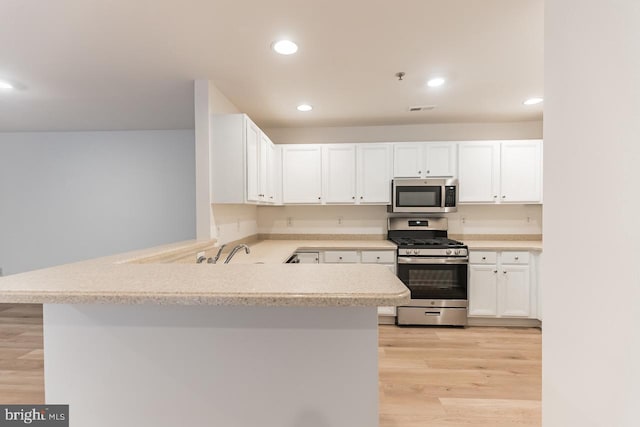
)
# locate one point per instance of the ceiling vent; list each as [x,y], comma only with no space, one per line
[421,108]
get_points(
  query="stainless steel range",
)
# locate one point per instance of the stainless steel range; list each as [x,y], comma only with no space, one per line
[434,268]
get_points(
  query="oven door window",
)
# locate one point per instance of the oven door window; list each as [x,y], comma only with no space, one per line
[419,196]
[429,281]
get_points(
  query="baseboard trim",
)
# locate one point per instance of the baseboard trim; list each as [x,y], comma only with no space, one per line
[521,323]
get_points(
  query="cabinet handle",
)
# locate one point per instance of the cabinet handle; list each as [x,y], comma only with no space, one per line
[504,272]
[354,197]
[419,172]
[361,197]
[484,258]
[340,257]
[428,172]
[319,198]
[271,197]
[516,258]
[504,197]
[495,271]
[495,197]
[377,257]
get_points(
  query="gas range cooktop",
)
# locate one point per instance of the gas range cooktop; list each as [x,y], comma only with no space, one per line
[433,243]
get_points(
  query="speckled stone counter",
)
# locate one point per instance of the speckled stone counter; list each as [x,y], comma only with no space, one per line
[260,279]
[505,245]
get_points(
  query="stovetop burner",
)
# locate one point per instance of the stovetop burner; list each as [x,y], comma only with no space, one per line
[437,241]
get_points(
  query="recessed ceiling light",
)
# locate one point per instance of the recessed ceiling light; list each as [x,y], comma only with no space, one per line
[5,85]
[533,101]
[435,82]
[305,107]
[285,47]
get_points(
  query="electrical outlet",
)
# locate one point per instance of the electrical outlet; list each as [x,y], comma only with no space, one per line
[340,220]
[463,220]
[289,221]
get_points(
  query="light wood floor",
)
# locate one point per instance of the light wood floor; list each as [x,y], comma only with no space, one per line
[428,376]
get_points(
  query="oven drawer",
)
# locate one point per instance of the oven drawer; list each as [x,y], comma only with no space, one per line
[378,257]
[432,316]
[515,257]
[483,257]
[337,257]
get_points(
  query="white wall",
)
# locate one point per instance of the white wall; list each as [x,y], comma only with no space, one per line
[506,219]
[69,196]
[424,132]
[591,280]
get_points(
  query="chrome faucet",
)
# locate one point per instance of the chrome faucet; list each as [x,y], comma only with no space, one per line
[236,249]
[217,257]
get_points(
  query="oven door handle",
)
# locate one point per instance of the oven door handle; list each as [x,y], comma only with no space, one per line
[421,260]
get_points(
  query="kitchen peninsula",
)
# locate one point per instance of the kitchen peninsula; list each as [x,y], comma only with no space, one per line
[136,339]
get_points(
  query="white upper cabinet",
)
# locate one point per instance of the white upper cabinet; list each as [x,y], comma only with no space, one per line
[500,171]
[301,174]
[521,171]
[374,163]
[407,160]
[424,159]
[440,159]
[479,171]
[268,171]
[339,173]
[242,168]
[253,142]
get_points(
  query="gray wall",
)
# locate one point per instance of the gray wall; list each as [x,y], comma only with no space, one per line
[69,196]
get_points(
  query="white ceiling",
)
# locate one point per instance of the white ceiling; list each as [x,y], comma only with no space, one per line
[123,64]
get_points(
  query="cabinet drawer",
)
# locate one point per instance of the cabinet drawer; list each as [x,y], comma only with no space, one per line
[341,257]
[513,257]
[378,257]
[483,257]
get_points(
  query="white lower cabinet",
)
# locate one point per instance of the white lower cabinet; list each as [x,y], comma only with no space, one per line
[483,290]
[515,291]
[502,285]
[386,258]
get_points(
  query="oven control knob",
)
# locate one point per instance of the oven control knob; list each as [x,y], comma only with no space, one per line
[448,252]
[457,252]
[416,251]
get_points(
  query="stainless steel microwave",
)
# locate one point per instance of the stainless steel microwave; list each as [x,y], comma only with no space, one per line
[414,195]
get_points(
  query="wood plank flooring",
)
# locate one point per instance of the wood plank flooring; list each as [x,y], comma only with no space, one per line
[460,377]
[428,376]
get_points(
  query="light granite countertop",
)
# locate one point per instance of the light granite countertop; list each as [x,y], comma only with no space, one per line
[151,277]
[505,245]
[277,251]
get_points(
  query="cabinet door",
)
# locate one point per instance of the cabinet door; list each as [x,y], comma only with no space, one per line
[263,168]
[277,174]
[483,290]
[301,180]
[271,173]
[515,284]
[374,173]
[407,160]
[440,159]
[339,173]
[521,171]
[478,171]
[252,141]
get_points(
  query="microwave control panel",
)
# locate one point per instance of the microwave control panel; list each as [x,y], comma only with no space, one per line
[450,196]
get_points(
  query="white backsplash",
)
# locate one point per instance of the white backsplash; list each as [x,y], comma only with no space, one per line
[234,222]
[475,219]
